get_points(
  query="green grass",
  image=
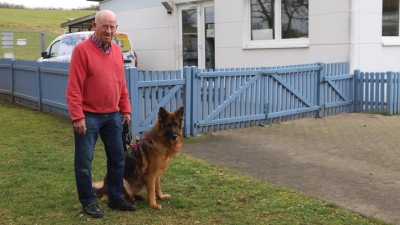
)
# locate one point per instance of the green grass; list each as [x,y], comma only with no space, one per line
[34,20]
[38,187]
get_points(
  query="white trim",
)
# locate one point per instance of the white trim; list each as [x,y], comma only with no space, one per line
[390,41]
[297,43]
[277,42]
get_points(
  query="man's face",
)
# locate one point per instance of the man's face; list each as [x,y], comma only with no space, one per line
[105,28]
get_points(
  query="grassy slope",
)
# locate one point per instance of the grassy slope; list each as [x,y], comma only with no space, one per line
[35,20]
[38,20]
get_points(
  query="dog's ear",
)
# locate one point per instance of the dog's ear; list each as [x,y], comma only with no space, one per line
[180,112]
[162,113]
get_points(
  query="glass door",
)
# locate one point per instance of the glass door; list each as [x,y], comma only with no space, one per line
[197,33]
[209,35]
[188,35]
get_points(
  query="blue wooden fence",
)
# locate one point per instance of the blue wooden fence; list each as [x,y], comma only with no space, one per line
[151,89]
[377,92]
[237,98]
[217,99]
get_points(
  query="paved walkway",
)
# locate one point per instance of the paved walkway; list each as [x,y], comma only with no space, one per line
[351,159]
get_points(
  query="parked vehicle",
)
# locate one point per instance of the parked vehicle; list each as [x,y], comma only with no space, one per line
[60,50]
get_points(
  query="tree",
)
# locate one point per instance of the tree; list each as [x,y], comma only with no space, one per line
[294,11]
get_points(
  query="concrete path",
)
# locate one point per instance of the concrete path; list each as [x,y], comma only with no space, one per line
[351,159]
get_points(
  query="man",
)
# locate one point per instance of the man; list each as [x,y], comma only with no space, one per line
[96,95]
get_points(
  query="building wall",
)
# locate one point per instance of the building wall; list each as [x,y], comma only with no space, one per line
[339,30]
[328,36]
[373,55]
[152,32]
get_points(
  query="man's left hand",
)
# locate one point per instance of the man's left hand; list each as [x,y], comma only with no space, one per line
[126,118]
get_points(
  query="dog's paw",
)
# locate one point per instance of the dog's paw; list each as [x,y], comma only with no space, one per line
[131,199]
[165,196]
[156,206]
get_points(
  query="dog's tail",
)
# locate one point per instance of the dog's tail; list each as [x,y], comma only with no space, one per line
[99,189]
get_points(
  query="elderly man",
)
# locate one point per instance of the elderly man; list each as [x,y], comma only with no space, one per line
[96,98]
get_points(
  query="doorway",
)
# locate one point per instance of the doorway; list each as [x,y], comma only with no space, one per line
[197,35]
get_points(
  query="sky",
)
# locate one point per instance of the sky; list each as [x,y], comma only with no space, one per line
[66,4]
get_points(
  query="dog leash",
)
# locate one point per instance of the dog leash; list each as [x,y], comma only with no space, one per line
[126,135]
[136,150]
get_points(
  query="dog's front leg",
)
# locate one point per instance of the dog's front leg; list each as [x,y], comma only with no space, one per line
[159,193]
[151,192]
[128,191]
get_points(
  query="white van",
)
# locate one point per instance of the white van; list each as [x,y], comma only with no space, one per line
[60,50]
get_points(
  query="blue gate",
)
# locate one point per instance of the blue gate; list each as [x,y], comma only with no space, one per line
[237,98]
[339,89]
[151,90]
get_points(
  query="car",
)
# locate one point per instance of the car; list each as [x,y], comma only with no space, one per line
[60,49]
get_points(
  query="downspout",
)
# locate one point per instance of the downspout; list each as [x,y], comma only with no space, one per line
[354,58]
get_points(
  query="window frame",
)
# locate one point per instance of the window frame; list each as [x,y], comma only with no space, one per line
[391,40]
[277,42]
[52,50]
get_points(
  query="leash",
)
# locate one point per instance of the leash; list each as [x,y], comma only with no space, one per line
[126,135]
[136,150]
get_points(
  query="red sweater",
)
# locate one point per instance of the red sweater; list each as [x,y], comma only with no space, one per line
[96,81]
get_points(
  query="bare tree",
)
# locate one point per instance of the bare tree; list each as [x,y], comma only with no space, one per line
[189,22]
[11,6]
[294,10]
[263,11]
[294,16]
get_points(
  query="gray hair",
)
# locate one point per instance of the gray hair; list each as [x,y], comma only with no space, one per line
[96,17]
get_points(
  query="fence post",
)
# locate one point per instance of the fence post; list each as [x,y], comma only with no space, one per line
[43,41]
[187,75]
[320,89]
[195,104]
[12,81]
[356,100]
[135,102]
[389,93]
[40,90]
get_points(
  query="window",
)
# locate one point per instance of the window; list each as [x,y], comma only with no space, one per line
[54,49]
[390,22]
[390,18]
[276,23]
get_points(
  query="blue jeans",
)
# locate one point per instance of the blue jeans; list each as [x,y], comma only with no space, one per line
[109,126]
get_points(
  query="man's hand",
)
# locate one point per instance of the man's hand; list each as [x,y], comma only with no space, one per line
[80,127]
[126,118]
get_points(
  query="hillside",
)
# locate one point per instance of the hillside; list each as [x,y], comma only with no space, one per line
[34,20]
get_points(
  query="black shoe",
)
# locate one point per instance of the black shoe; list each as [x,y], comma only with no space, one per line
[121,204]
[93,210]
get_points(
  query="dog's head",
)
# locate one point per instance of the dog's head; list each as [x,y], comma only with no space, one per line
[171,123]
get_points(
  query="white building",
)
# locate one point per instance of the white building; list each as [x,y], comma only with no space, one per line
[259,33]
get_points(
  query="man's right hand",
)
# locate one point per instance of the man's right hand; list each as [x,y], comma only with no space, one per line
[80,127]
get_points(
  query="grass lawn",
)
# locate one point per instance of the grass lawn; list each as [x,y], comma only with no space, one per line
[38,187]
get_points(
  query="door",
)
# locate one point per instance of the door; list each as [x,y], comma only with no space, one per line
[197,35]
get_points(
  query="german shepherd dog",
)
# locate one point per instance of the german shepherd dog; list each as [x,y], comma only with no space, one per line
[147,159]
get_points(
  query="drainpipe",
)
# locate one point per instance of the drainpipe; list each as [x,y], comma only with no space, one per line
[354,35]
